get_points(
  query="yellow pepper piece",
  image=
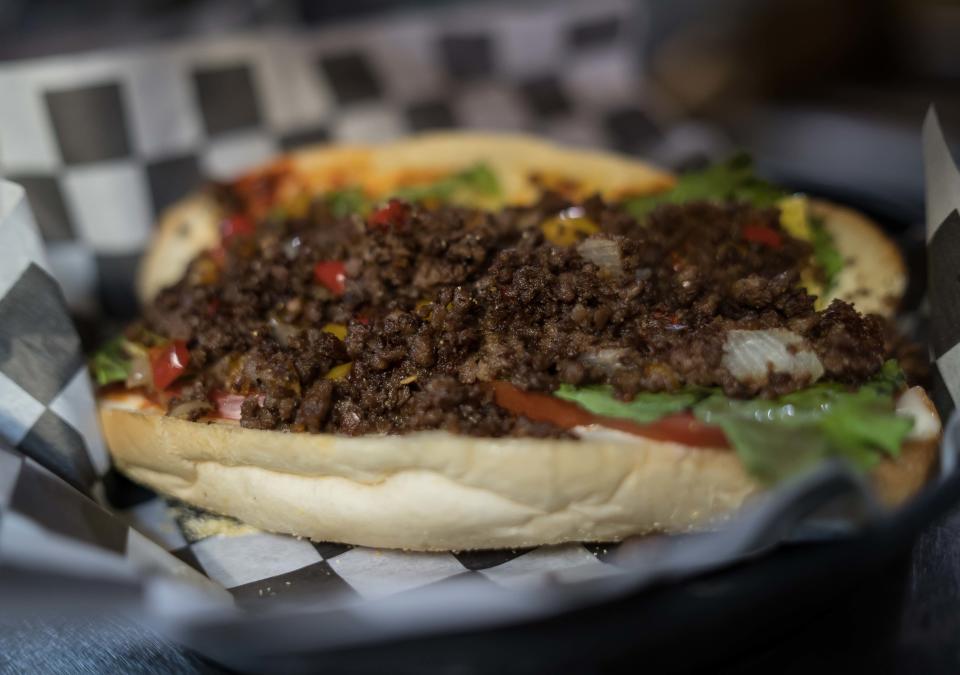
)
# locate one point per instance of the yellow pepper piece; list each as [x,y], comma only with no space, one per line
[794,216]
[567,229]
[338,330]
[795,219]
[299,205]
[339,372]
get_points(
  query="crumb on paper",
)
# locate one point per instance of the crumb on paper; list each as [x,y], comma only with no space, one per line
[197,524]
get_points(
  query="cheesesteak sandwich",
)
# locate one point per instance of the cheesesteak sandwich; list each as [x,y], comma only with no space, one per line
[462,341]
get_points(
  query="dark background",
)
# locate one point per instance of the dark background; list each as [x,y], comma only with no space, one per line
[828,96]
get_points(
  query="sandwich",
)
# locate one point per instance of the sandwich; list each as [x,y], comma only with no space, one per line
[463,341]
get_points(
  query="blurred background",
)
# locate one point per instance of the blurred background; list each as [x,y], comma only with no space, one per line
[110,110]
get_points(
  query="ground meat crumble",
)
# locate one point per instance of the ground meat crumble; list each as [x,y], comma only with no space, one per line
[441,301]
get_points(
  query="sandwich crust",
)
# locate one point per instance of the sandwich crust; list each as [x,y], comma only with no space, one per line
[436,491]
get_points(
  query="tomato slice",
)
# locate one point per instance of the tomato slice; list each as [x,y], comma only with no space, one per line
[677,428]
[332,274]
[762,235]
[168,362]
[391,214]
[540,407]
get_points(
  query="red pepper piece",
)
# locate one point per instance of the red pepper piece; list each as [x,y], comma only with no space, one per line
[763,235]
[393,214]
[236,225]
[168,362]
[332,274]
[219,256]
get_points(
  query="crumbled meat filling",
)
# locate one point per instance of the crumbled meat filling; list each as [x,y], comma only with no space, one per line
[444,300]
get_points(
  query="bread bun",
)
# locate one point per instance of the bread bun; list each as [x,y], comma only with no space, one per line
[435,491]
[874,276]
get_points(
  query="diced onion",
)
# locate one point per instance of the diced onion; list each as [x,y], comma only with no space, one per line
[229,406]
[752,355]
[141,374]
[606,360]
[188,409]
[292,248]
[604,253]
[283,332]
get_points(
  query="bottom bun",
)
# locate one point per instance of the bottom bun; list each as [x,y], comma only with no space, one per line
[435,491]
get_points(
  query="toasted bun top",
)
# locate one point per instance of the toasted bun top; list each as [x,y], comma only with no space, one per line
[874,276]
[873,279]
[191,226]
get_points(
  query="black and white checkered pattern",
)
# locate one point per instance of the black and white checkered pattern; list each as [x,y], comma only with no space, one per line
[104,142]
[47,525]
[259,568]
[945,296]
[47,407]
[943,252]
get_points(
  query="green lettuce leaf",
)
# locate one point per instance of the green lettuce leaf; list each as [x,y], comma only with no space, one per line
[346,202]
[825,253]
[644,408]
[778,438]
[734,180]
[477,180]
[111,363]
[724,181]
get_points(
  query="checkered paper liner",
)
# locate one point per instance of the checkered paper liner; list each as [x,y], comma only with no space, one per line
[943,260]
[103,142]
[46,399]
[157,117]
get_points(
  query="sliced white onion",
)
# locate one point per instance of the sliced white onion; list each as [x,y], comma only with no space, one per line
[915,404]
[606,360]
[752,355]
[602,252]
